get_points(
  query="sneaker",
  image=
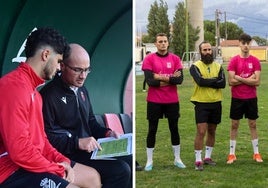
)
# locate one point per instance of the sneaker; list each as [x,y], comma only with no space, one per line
[179,164]
[257,158]
[138,167]
[231,158]
[199,166]
[149,167]
[209,161]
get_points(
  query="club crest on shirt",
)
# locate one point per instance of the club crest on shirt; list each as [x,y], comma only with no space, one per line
[168,65]
[83,96]
[250,65]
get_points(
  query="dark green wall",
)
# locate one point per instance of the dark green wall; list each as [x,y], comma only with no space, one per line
[103,27]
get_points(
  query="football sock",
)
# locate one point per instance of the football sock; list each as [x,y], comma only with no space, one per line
[149,156]
[198,154]
[176,151]
[208,152]
[232,146]
[255,146]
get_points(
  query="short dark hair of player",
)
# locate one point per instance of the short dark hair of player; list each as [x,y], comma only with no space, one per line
[245,37]
[46,37]
[160,35]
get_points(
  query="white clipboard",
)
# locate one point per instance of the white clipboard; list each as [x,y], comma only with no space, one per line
[112,147]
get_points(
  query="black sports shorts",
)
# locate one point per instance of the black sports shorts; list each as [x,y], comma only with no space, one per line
[157,110]
[208,112]
[247,107]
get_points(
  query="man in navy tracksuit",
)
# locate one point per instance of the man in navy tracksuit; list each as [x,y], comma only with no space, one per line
[70,123]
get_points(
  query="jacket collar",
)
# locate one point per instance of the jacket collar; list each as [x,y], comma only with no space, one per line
[35,80]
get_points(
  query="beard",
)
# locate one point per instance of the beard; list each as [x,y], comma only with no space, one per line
[207,59]
[48,75]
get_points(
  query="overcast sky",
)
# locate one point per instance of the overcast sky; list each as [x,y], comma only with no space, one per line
[250,15]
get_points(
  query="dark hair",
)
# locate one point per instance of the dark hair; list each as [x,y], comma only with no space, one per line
[160,35]
[204,42]
[46,36]
[245,37]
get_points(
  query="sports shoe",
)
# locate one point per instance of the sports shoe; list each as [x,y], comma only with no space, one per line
[231,158]
[149,167]
[199,166]
[257,158]
[138,167]
[209,161]
[179,164]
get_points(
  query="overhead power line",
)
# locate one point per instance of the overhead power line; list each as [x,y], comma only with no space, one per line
[244,19]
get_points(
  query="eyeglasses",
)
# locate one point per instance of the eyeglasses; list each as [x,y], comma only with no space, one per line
[78,70]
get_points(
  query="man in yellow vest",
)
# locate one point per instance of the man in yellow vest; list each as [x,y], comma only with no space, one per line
[209,79]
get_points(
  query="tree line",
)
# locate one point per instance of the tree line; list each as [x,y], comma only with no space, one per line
[158,22]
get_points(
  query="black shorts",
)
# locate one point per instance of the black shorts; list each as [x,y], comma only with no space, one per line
[157,110]
[23,178]
[208,112]
[247,107]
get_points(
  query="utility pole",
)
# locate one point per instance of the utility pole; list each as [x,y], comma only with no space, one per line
[226,35]
[186,32]
[217,29]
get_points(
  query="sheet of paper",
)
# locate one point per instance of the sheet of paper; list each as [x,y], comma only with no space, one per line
[112,147]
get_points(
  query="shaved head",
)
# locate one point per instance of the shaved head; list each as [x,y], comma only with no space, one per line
[77,54]
[76,67]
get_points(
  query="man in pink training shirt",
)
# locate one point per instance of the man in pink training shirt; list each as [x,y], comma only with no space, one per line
[244,76]
[163,72]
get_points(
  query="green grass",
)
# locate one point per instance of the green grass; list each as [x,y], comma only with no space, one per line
[243,173]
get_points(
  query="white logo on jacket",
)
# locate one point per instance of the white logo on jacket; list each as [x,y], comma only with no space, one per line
[48,183]
[63,99]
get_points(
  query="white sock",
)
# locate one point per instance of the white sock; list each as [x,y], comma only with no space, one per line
[255,145]
[149,156]
[208,152]
[176,151]
[232,146]
[198,154]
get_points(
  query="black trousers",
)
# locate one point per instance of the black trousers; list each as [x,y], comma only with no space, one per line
[114,172]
